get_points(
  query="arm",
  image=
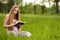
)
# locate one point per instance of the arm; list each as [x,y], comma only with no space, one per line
[5,22]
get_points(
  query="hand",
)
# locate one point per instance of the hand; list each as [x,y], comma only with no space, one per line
[22,21]
[12,24]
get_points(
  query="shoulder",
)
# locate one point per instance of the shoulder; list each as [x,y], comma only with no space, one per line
[7,16]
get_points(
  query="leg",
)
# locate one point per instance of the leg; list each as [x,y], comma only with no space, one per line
[24,33]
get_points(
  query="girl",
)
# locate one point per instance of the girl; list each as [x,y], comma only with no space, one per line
[11,19]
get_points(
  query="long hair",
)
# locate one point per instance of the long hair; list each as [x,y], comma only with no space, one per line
[12,16]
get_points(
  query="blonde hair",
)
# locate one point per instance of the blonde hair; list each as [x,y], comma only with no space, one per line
[11,16]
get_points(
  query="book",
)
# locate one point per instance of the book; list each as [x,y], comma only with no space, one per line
[19,23]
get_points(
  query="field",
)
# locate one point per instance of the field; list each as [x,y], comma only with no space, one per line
[42,27]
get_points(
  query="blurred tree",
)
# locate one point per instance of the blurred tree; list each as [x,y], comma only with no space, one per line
[57,6]
[38,9]
[49,2]
[10,4]
[28,8]
[34,7]
[0,6]
[17,2]
[21,4]
[43,7]
[5,5]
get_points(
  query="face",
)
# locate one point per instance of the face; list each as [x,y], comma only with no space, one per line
[15,10]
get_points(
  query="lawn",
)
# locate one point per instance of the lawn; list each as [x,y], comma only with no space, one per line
[42,27]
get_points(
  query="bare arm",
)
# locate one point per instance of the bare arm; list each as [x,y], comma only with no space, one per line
[5,22]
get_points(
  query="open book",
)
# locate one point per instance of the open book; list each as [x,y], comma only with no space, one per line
[19,23]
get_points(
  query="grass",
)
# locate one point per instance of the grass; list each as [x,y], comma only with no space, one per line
[42,27]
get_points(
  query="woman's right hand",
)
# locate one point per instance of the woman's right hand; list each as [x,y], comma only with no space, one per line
[12,24]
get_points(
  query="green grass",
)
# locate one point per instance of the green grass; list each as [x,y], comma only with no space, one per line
[42,27]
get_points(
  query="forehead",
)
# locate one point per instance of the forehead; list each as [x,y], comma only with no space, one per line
[16,8]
